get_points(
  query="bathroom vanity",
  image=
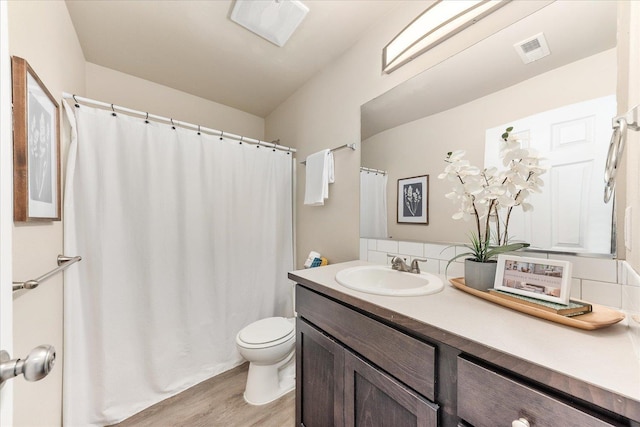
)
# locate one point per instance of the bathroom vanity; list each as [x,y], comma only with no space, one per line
[452,359]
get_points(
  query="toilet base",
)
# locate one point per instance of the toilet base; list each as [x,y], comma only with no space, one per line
[266,383]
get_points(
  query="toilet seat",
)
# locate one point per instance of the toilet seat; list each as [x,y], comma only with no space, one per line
[267,332]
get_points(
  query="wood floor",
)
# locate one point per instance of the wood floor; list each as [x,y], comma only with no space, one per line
[217,402]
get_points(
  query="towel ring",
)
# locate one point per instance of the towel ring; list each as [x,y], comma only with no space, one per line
[616,148]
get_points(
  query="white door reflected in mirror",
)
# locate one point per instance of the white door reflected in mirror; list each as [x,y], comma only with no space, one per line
[570,214]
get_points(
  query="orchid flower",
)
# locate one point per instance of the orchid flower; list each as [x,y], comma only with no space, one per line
[486,194]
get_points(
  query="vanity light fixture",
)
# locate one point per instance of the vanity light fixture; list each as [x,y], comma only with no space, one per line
[273,20]
[441,20]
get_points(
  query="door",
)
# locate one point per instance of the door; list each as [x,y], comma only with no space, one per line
[6,213]
[570,215]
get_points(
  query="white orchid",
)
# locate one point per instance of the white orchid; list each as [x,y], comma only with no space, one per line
[488,193]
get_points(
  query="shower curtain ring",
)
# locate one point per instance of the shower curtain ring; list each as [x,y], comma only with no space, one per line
[198,129]
[172,125]
[221,135]
[76,101]
[241,138]
[113,111]
[146,119]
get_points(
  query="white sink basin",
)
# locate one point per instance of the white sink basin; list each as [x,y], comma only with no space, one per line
[382,280]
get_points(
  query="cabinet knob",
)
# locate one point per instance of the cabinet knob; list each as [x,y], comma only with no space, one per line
[520,422]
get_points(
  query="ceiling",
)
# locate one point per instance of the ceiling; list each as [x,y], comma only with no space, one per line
[193,47]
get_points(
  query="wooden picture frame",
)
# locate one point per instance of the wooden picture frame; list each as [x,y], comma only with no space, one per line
[413,200]
[36,147]
[540,278]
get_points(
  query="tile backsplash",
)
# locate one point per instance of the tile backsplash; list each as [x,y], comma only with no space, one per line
[608,282]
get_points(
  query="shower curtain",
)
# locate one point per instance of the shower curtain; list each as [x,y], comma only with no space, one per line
[373,205]
[185,239]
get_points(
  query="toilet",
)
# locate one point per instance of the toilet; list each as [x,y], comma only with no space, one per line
[268,345]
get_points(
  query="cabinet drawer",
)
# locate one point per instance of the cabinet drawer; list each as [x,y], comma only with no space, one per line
[406,358]
[486,398]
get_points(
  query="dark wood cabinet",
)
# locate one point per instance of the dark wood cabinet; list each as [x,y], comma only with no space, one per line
[319,378]
[356,368]
[338,388]
[373,398]
[487,399]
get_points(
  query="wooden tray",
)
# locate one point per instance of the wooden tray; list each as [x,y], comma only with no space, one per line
[600,317]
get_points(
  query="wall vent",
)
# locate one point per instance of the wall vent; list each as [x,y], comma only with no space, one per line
[533,48]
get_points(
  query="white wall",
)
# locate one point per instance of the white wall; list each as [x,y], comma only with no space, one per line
[419,147]
[629,96]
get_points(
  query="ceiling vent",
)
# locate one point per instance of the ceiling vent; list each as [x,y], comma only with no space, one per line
[274,20]
[532,48]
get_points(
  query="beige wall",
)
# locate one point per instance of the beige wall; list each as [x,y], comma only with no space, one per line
[419,147]
[104,84]
[43,34]
[325,113]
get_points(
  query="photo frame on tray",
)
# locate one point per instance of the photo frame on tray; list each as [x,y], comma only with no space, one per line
[413,200]
[540,278]
[36,147]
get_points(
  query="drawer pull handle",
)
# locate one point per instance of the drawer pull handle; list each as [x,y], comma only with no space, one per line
[521,422]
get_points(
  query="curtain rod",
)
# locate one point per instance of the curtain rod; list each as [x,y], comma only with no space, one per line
[145,115]
[352,146]
[365,169]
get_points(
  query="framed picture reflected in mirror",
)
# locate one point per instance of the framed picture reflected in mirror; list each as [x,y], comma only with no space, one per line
[413,200]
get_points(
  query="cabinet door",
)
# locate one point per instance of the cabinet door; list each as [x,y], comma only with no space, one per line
[319,378]
[373,398]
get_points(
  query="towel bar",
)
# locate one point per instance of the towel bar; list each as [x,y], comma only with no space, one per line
[63,263]
[352,146]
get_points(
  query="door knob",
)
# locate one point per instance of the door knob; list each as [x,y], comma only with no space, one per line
[521,422]
[37,365]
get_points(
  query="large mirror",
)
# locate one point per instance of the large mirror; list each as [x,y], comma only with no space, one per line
[459,103]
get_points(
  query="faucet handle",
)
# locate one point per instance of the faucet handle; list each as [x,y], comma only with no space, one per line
[396,257]
[414,265]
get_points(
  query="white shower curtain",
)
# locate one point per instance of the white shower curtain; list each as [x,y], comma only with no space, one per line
[373,205]
[184,239]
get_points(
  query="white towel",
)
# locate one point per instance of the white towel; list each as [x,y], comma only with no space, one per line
[318,176]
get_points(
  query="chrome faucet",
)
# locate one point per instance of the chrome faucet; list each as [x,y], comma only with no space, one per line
[414,265]
[397,263]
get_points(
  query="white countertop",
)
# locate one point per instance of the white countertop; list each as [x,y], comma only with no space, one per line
[604,358]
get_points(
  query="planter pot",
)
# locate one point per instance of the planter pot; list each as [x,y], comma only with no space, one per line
[479,275]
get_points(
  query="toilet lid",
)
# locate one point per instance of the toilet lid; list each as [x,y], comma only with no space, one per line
[266,330]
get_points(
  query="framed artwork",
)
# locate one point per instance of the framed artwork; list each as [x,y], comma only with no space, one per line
[36,147]
[540,278]
[413,200]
